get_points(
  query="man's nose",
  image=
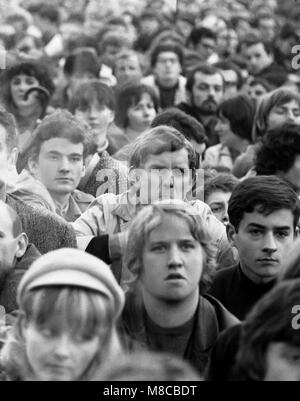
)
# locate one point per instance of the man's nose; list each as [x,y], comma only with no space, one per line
[269,244]
[65,164]
[290,115]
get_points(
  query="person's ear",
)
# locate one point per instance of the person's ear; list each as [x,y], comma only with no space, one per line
[231,234]
[22,244]
[33,166]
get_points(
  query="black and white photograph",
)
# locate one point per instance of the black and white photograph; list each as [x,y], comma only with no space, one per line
[149,193]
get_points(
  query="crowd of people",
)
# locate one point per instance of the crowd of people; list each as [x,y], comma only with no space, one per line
[149,190]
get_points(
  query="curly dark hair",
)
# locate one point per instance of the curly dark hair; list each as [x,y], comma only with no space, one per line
[280,146]
[32,68]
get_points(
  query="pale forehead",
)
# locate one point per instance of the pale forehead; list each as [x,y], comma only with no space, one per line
[179,157]
[61,145]
[278,218]
[215,79]
[171,228]
[167,55]
[256,48]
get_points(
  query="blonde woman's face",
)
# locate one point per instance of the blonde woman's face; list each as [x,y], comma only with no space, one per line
[58,356]
[287,112]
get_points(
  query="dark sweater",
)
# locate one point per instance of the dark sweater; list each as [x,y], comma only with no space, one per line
[8,291]
[236,291]
[44,229]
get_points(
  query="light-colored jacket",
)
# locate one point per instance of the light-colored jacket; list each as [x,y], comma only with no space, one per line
[112,214]
[218,156]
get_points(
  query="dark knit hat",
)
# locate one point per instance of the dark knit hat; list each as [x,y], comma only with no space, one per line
[239,110]
[74,268]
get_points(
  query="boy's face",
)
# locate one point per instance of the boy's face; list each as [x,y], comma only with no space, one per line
[218,202]
[263,243]
[258,58]
[59,165]
[282,362]
[167,67]
[98,117]
[128,69]
[172,262]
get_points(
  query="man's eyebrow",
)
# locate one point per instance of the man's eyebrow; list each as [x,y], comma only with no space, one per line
[256,225]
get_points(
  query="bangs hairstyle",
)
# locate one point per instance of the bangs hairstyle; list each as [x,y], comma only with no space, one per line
[265,194]
[150,218]
[92,91]
[32,68]
[128,96]
[61,124]
[159,140]
[268,322]
[82,313]
[276,98]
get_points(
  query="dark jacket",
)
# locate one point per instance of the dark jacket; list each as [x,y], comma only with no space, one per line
[8,292]
[236,292]
[210,320]
[44,229]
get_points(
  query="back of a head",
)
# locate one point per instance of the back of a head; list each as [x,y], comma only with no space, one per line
[280,146]
[148,366]
[198,33]
[184,123]
[266,194]
[270,321]
[240,111]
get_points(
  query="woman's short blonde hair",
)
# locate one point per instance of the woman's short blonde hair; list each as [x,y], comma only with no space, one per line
[151,217]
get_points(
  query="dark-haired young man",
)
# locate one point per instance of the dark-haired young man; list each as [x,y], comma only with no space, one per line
[204,41]
[56,163]
[263,215]
[217,192]
[166,63]
[261,62]
[44,229]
